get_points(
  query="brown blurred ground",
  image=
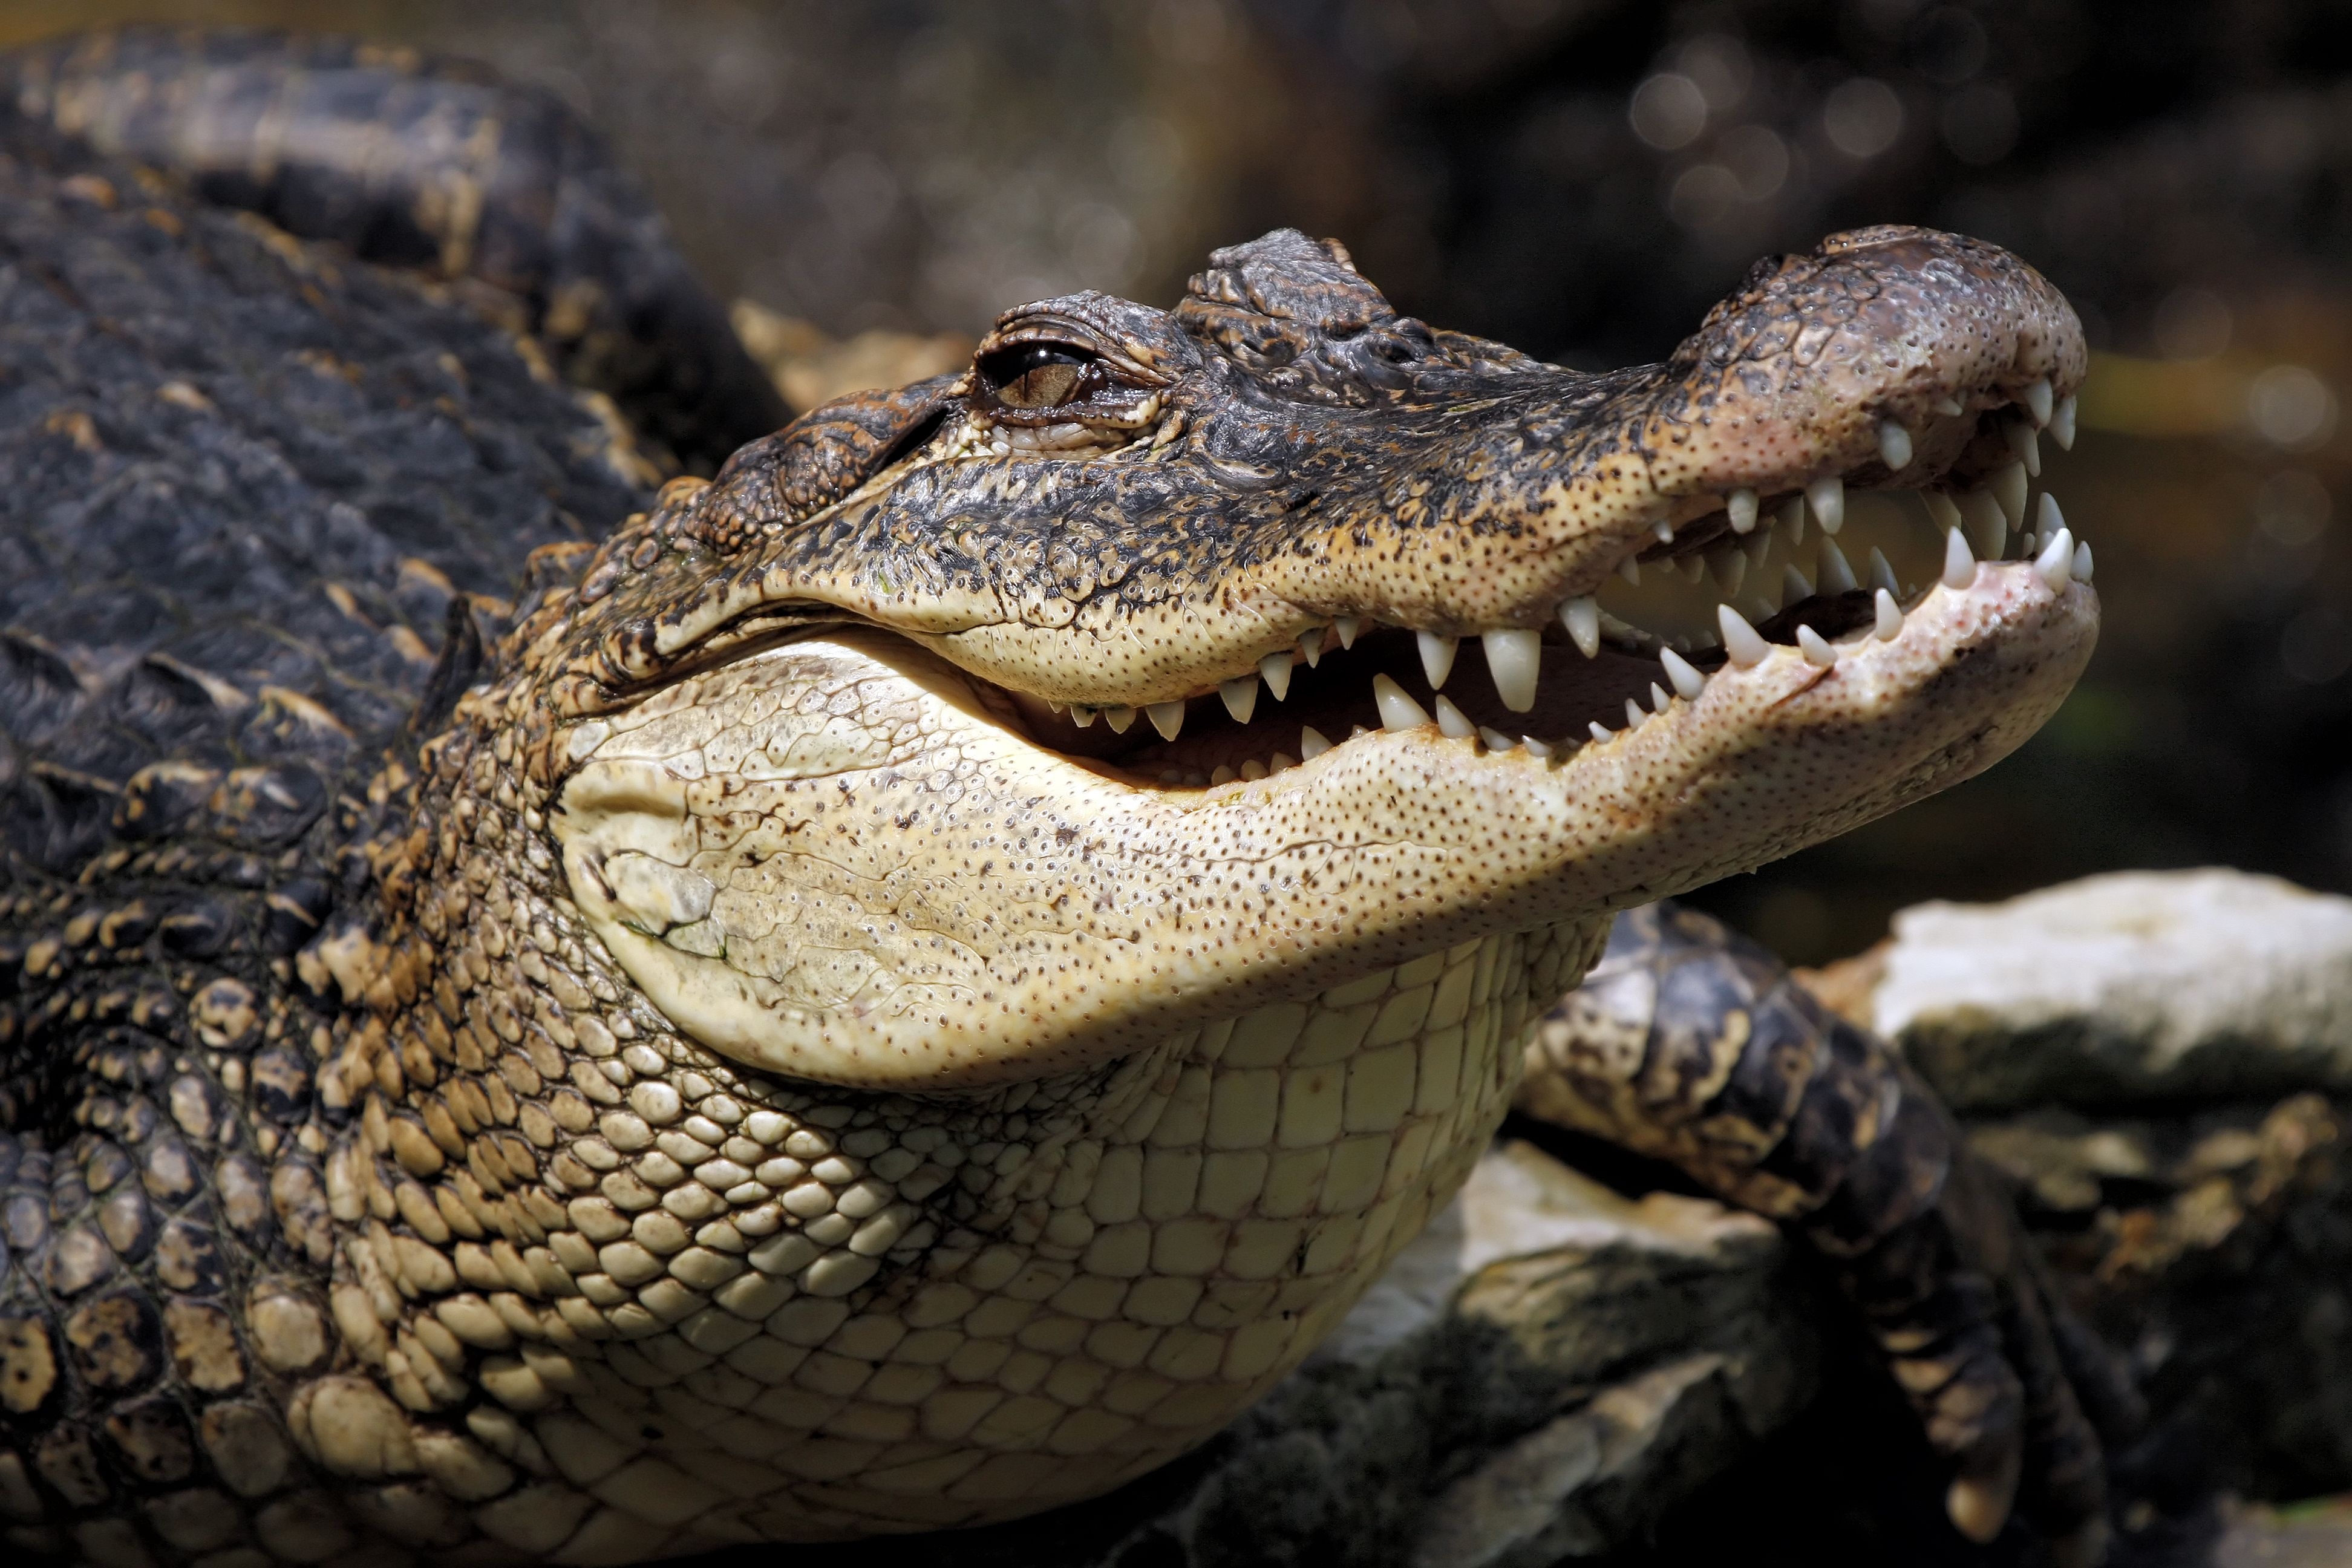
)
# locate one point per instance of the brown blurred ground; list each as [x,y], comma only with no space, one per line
[1581,178]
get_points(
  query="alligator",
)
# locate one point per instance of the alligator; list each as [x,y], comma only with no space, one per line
[906,982]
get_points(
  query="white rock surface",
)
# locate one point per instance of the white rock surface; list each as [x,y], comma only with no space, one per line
[2131,986]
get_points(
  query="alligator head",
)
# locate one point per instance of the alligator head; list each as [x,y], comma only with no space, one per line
[1004,724]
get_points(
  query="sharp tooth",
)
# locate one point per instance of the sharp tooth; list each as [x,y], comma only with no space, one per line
[1514,659]
[1792,521]
[1793,585]
[1816,650]
[1683,673]
[1951,407]
[2056,562]
[1882,575]
[1081,715]
[1241,698]
[1692,567]
[1276,669]
[1658,698]
[1630,570]
[1310,646]
[1582,619]
[1167,717]
[1942,509]
[1537,749]
[2083,562]
[1987,524]
[1635,714]
[1436,656]
[2027,445]
[1743,642]
[1495,740]
[1740,506]
[2008,488]
[1346,626]
[1600,732]
[1836,573]
[2047,518]
[1280,761]
[2062,423]
[1894,446]
[1311,743]
[1253,770]
[1664,530]
[1827,498]
[2037,399]
[1398,711]
[1118,718]
[1450,721]
[1056,707]
[1221,774]
[1731,567]
[1890,617]
[1960,566]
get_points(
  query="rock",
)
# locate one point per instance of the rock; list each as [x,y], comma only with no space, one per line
[2133,987]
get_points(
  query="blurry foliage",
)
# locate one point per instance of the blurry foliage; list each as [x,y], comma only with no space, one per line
[1581,178]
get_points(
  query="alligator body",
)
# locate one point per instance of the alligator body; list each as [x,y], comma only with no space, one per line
[907,984]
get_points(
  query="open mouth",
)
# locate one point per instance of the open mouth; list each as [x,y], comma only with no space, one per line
[1824,570]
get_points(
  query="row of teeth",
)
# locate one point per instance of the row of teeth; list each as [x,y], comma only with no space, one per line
[1975,523]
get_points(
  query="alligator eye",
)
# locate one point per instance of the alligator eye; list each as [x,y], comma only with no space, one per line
[1040,375]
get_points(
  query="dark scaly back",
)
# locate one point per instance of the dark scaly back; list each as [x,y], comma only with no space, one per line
[431,164]
[246,483]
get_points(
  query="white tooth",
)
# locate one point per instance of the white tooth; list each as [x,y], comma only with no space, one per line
[1658,698]
[1740,506]
[1357,732]
[1894,446]
[1683,673]
[1664,530]
[1346,626]
[1167,717]
[1056,707]
[1495,740]
[1743,642]
[1836,573]
[1950,408]
[1398,711]
[1890,617]
[1514,659]
[2047,518]
[1692,567]
[2083,562]
[1241,698]
[1081,715]
[1311,743]
[1450,721]
[2028,447]
[2062,423]
[1118,718]
[1280,761]
[1630,570]
[1634,714]
[1793,521]
[1600,731]
[1960,566]
[1436,656]
[1827,498]
[1539,750]
[1275,669]
[2056,562]
[1582,619]
[1253,770]
[1942,509]
[1731,567]
[1882,575]
[1793,585]
[1222,774]
[2008,488]
[1987,524]
[1816,650]
[1310,646]
[2037,399]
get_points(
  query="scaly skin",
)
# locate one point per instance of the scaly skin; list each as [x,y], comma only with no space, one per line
[739,1063]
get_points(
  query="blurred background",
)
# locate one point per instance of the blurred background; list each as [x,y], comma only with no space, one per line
[1582,179]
